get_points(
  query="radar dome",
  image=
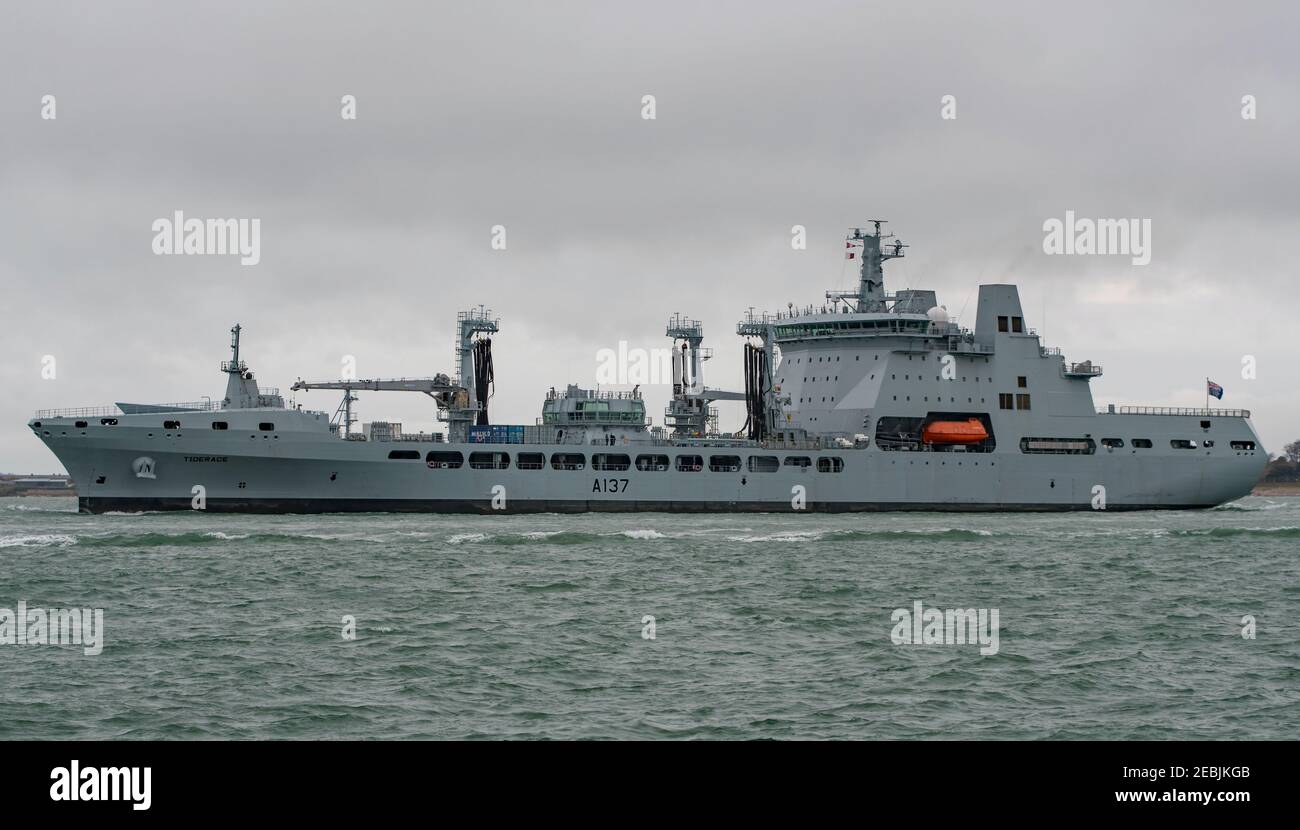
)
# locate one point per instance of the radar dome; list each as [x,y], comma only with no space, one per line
[938,314]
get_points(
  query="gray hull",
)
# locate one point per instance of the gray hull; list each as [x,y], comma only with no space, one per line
[297,471]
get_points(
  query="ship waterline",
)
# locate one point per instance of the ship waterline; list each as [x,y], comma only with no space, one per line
[869,402]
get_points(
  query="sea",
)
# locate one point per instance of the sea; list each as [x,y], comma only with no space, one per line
[1147,625]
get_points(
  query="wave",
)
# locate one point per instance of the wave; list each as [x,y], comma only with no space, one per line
[38,540]
[556,537]
[195,539]
[573,537]
[643,534]
[950,533]
[1238,507]
[27,508]
[216,537]
[546,537]
[461,538]
[1288,532]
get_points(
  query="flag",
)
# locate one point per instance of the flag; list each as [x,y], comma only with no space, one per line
[1214,389]
[849,255]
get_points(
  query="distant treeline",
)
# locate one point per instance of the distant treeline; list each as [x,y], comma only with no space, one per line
[1281,470]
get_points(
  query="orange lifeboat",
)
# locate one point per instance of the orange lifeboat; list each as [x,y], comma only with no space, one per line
[969,431]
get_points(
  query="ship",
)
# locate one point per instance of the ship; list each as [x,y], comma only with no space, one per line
[865,401]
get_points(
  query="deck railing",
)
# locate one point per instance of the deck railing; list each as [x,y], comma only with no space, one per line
[101,411]
[1085,369]
[1174,410]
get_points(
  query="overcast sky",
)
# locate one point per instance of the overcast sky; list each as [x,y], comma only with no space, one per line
[375,231]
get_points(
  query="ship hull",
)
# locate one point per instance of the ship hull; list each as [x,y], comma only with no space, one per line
[133,468]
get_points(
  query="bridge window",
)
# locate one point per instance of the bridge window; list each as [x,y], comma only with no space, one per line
[763,464]
[612,463]
[1113,443]
[830,465]
[1017,325]
[530,461]
[1142,443]
[652,463]
[1022,382]
[803,462]
[408,455]
[1022,401]
[568,461]
[724,463]
[266,426]
[220,425]
[689,463]
[1005,400]
[1002,324]
[489,461]
[444,460]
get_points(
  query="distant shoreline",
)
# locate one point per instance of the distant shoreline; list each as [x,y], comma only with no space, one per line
[1277,488]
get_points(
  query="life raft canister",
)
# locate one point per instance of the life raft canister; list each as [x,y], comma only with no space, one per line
[969,431]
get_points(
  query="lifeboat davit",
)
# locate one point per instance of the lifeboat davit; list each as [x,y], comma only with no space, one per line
[969,431]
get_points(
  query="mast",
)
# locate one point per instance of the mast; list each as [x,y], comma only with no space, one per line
[871,274]
[241,389]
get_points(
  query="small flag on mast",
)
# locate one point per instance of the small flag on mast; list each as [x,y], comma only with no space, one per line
[1212,388]
[850,254]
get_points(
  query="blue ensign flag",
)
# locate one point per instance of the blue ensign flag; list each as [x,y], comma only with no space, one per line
[1214,389]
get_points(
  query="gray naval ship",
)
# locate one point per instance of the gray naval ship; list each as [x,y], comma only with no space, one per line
[867,401]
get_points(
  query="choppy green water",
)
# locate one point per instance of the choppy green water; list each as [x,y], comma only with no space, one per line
[1111,625]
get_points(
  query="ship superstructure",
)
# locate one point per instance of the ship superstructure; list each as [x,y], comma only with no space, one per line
[866,401]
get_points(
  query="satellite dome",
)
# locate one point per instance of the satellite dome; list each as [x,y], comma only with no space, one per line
[938,314]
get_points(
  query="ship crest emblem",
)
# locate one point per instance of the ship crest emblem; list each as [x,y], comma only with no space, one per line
[143,467]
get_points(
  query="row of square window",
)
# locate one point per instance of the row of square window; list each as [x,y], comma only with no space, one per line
[1176,443]
[265,426]
[1021,381]
[451,460]
[858,357]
